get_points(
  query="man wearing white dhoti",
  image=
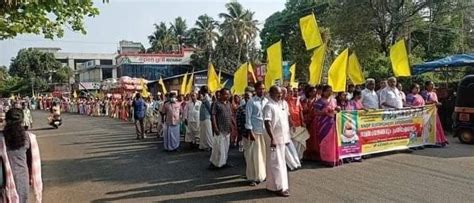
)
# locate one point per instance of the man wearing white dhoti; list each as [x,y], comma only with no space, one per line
[254,141]
[278,130]
[205,124]
[191,119]
[222,127]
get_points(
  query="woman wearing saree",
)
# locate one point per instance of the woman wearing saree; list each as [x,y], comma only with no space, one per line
[414,99]
[322,143]
[431,98]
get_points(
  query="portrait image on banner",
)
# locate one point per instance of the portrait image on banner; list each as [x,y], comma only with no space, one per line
[368,132]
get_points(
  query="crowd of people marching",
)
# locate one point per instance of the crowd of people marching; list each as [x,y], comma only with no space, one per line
[274,130]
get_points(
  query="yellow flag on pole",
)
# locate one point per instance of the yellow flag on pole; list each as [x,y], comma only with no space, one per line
[338,71]
[183,84]
[399,58]
[250,69]
[316,66]
[310,31]
[213,81]
[274,66]
[293,84]
[354,70]
[240,79]
[163,88]
[189,86]
[74,94]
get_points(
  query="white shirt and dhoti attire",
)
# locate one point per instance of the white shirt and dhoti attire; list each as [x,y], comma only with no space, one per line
[277,174]
[370,99]
[392,97]
[254,150]
[191,115]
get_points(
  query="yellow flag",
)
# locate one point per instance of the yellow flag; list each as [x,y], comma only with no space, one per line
[74,94]
[338,71]
[189,86]
[183,84]
[310,31]
[274,66]
[250,69]
[354,70]
[212,79]
[316,66]
[163,88]
[399,58]
[240,79]
[293,84]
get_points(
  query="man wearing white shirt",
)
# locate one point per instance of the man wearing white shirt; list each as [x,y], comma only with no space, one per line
[390,97]
[278,130]
[370,99]
[191,119]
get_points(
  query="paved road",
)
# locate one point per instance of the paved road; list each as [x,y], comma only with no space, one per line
[98,160]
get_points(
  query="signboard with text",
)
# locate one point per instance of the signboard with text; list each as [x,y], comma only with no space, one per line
[367,132]
[156,59]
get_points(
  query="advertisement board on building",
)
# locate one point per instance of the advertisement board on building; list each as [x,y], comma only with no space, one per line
[156,59]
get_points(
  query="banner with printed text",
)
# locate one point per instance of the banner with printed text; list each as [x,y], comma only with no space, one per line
[368,132]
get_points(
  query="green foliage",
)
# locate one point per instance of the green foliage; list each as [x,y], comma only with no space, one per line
[13,85]
[44,17]
[38,70]
[432,29]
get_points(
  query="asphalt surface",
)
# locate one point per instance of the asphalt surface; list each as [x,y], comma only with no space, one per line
[98,160]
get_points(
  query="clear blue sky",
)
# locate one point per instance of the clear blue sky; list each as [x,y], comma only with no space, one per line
[131,20]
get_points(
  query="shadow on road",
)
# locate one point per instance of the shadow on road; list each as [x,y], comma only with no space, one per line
[113,155]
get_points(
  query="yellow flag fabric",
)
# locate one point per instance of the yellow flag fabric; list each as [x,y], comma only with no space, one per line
[316,66]
[183,84]
[293,84]
[144,92]
[354,70]
[399,58]
[338,71]
[74,95]
[213,81]
[274,66]
[250,69]
[163,88]
[189,86]
[240,79]
[310,31]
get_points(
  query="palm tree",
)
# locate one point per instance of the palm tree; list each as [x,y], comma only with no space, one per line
[238,26]
[163,39]
[204,33]
[179,29]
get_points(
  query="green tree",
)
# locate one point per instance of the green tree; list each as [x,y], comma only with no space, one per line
[44,17]
[38,69]
[179,30]
[432,29]
[3,73]
[239,28]
[203,36]
[162,39]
